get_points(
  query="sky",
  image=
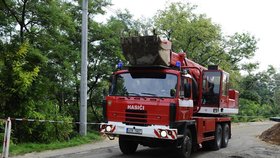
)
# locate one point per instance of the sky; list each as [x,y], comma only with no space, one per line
[260,18]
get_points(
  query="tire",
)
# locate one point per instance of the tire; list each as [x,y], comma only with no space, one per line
[225,136]
[127,147]
[217,142]
[186,147]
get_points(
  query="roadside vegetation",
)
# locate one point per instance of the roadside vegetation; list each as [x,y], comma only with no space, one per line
[40,44]
[18,149]
[259,96]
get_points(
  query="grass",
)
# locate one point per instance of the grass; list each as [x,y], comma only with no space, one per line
[18,149]
[238,118]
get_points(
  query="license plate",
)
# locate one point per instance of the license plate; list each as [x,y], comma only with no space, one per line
[134,131]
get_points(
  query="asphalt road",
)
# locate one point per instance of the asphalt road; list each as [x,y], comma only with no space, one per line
[244,144]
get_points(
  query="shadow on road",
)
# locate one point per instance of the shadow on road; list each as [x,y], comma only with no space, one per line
[157,153]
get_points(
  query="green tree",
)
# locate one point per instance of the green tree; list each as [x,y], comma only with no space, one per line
[16,77]
[189,32]
[239,47]
[262,89]
[53,30]
[276,98]
[202,39]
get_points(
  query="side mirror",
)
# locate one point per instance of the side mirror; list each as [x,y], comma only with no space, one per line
[111,79]
[187,90]
[172,92]
[105,93]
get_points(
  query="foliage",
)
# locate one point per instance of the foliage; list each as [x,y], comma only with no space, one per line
[2,132]
[276,105]
[17,149]
[260,94]
[40,63]
[16,77]
[202,39]
[43,131]
[252,108]
[189,32]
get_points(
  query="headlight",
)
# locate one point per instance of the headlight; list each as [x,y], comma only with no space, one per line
[163,134]
[108,129]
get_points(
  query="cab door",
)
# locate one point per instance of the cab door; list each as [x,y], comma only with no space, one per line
[186,103]
[211,88]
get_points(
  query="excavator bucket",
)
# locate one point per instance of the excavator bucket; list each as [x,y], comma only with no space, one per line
[146,50]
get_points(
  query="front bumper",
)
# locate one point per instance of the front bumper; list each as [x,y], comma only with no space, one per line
[155,131]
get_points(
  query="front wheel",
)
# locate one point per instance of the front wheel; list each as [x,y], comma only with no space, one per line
[126,146]
[186,147]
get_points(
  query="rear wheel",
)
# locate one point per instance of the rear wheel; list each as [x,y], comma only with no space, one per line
[225,137]
[217,142]
[186,147]
[126,146]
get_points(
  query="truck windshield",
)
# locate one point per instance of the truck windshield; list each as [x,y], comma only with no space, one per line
[144,84]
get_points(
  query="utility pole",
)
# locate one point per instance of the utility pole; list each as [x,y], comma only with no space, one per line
[83,83]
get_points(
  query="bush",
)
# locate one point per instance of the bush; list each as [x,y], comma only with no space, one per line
[2,133]
[42,132]
[251,108]
[251,111]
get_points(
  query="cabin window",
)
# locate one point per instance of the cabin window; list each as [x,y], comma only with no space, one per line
[211,87]
[225,84]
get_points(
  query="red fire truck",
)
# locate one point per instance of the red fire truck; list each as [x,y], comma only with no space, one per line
[166,100]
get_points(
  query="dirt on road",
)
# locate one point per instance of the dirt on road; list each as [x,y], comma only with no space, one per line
[272,135]
[245,143]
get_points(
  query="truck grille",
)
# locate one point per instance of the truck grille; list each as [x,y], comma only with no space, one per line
[136,117]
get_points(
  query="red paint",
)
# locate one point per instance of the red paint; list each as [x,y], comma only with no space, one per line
[156,110]
[157,134]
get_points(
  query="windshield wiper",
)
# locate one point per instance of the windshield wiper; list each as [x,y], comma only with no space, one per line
[151,94]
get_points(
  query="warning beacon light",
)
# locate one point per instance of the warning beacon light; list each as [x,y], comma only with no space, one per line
[178,64]
[120,65]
